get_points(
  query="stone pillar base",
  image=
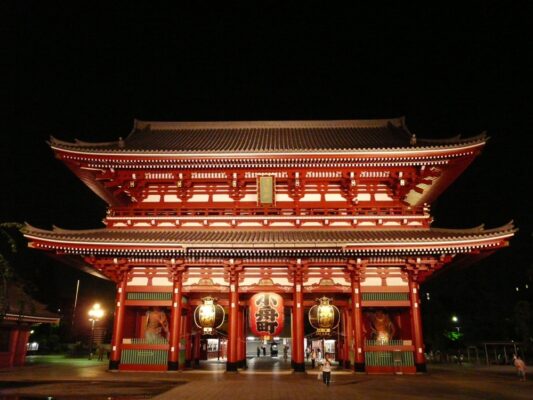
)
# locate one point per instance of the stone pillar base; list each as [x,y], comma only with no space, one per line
[298,367]
[359,367]
[113,365]
[173,365]
[232,366]
[421,367]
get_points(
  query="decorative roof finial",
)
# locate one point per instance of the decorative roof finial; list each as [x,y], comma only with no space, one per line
[121,142]
[412,142]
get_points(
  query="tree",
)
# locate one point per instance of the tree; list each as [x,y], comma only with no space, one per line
[8,245]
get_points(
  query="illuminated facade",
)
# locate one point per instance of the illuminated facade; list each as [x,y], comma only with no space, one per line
[300,209]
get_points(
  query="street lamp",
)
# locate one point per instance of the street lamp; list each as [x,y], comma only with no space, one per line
[95,314]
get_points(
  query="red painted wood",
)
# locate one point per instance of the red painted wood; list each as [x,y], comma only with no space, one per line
[298,325]
[416,322]
[390,370]
[357,321]
[20,354]
[233,326]
[136,367]
[240,336]
[13,342]
[175,320]
[118,324]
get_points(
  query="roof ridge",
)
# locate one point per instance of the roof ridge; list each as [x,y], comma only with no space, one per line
[291,124]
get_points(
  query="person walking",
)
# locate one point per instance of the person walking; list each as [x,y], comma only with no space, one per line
[326,371]
[520,366]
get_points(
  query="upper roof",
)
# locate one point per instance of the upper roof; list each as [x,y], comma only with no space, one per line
[265,136]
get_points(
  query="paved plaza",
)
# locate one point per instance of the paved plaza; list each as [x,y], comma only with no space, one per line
[62,378]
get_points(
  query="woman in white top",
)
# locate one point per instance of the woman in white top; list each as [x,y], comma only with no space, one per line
[326,371]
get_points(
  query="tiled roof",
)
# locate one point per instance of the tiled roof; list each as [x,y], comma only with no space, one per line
[234,238]
[263,136]
[22,304]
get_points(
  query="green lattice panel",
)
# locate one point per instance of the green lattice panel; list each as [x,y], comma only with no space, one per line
[144,357]
[149,296]
[146,341]
[381,343]
[386,296]
[386,358]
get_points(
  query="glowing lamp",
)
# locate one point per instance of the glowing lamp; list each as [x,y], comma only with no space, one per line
[324,317]
[208,316]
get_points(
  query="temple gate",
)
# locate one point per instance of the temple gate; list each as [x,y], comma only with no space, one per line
[301,209]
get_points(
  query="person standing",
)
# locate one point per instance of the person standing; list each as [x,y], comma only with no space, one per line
[326,371]
[258,351]
[520,366]
[313,358]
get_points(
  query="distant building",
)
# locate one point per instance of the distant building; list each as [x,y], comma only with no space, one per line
[299,209]
[21,315]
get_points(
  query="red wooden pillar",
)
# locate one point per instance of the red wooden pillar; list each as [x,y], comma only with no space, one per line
[357,324]
[416,322]
[20,352]
[233,334]
[298,362]
[241,355]
[196,348]
[188,338]
[120,308]
[348,336]
[175,319]
[13,342]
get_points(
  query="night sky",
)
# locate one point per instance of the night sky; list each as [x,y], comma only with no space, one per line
[86,73]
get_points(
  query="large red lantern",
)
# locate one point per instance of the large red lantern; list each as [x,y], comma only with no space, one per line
[266,314]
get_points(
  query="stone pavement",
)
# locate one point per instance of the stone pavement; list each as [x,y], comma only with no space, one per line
[83,379]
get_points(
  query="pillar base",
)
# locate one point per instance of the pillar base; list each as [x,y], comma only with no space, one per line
[359,367]
[298,367]
[232,366]
[197,363]
[421,367]
[113,365]
[173,365]
[187,363]
[347,364]
[242,364]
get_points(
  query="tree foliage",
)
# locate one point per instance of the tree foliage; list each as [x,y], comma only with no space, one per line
[8,247]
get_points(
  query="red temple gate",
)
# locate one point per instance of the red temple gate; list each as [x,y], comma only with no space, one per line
[303,209]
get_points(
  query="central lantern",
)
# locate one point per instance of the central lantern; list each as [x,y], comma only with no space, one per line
[266,314]
[208,316]
[324,317]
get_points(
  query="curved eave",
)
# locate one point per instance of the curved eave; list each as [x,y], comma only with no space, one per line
[61,242]
[436,151]
[33,319]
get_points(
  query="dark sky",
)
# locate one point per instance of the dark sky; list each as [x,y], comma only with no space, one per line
[87,72]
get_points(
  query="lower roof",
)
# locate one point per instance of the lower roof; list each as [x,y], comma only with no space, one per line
[207,240]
